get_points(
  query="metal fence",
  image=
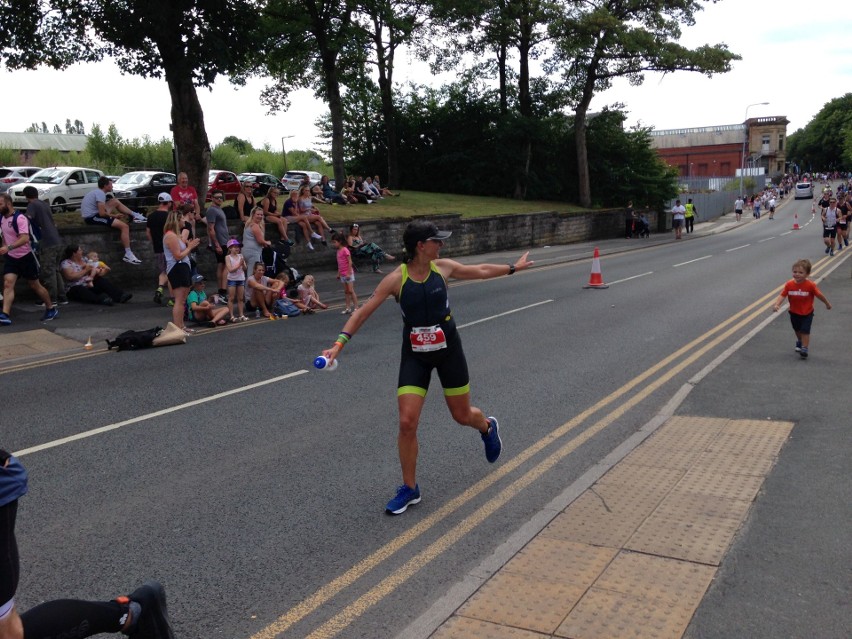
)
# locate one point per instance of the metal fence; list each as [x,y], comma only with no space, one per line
[713,197]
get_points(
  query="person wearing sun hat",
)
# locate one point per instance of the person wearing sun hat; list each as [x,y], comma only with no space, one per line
[198,307]
[235,265]
[430,342]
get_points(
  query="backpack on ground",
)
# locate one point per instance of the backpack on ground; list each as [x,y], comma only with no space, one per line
[285,308]
[134,340]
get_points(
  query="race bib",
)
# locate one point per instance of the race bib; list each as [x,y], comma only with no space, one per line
[427,338]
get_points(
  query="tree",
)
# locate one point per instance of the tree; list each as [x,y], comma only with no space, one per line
[310,44]
[189,42]
[242,147]
[824,144]
[599,40]
[502,27]
[390,24]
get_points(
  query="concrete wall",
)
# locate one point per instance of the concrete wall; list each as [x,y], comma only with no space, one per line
[470,236]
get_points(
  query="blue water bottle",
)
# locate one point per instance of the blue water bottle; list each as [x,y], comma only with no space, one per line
[322,363]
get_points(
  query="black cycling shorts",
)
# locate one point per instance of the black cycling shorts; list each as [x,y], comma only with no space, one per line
[415,369]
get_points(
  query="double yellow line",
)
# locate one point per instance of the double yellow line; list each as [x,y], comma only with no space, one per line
[730,327]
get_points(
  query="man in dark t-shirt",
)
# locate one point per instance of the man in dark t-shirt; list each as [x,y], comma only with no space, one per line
[217,236]
[49,246]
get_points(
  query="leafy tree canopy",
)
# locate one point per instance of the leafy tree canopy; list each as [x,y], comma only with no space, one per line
[826,142]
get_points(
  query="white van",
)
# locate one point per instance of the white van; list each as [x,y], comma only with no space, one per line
[804,190]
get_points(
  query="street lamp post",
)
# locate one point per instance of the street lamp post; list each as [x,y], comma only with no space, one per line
[745,141]
[284,151]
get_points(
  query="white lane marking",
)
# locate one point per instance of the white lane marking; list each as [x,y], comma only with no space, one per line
[692,261]
[788,232]
[766,239]
[514,310]
[737,248]
[627,279]
[142,418]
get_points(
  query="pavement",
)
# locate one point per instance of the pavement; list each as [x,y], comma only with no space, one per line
[728,525]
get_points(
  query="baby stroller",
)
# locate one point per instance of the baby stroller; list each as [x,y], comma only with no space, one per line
[275,259]
[641,227]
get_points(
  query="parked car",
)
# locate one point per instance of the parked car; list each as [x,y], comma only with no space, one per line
[10,175]
[804,190]
[62,187]
[224,181]
[141,188]
[261,182]
[293,179]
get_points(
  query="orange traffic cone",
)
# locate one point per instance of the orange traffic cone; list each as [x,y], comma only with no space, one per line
[88,345]
[596,280]
[795,221]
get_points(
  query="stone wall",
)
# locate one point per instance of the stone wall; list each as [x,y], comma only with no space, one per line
[470,236]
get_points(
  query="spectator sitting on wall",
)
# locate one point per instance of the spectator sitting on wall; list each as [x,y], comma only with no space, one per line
[96,210]
[183,193]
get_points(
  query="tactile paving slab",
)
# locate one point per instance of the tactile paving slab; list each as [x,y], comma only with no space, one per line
[560,560]
[668,580]
[608,514]
[523,601]
[603,614]
[463,628]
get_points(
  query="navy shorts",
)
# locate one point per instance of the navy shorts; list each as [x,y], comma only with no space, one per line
[801,323]
[25,267]
[97,220]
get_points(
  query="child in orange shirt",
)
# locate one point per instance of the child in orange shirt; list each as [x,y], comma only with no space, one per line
[800,292]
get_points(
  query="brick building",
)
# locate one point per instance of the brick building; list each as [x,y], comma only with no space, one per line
[719,151]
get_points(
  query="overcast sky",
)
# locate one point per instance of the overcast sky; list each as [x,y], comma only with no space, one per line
[796,56]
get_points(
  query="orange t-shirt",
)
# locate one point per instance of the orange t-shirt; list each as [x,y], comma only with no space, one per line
[801,296]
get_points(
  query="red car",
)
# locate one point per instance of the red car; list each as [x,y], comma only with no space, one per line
[224,181]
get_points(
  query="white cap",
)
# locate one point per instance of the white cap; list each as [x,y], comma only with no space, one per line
[164,197]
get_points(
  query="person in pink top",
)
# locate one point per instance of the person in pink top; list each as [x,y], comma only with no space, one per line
[345,272]
[20,261]
[183,193]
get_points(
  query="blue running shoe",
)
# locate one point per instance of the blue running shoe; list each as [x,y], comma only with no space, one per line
[405,497]
[803,352]
[153,622]
[493,443]
[50,314]
[798,346]
[5,320]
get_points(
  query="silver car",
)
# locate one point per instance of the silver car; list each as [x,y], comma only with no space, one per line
[804,190]
[10,175]
[293,179]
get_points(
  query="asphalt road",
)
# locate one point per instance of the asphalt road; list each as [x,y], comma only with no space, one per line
[254,486]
